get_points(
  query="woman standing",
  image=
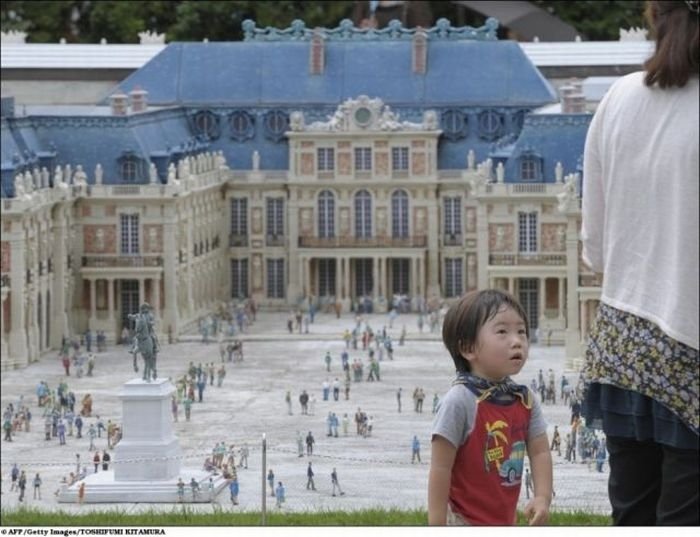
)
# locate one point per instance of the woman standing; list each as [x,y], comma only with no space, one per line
[640,230]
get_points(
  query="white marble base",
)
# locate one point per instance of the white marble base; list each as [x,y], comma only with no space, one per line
[149,449]
[102,488]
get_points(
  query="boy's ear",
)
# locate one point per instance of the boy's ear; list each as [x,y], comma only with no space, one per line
[467,351]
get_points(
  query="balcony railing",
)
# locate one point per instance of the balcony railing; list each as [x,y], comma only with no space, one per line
[274,240]
[121,261]
[527,259]
[452,239]
[237,240]
[361,242]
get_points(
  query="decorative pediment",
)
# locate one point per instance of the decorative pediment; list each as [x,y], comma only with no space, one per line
[363,114]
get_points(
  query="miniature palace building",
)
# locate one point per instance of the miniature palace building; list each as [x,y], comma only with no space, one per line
[333,165]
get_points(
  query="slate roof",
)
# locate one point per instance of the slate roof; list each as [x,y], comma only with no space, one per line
[259,73]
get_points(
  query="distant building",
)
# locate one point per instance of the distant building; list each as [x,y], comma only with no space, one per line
[329,165]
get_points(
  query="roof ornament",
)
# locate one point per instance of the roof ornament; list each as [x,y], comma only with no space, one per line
[347,31]
[13,36]
[151,38]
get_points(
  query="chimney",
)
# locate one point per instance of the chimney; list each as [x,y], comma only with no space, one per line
[138,99]
[119,103]
[573,100]
[317,56]
[420,52]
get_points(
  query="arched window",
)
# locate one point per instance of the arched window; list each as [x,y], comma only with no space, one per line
[130,170]
[399,214]
[363,214]
[326,214]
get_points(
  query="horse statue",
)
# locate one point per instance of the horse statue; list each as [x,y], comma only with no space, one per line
[145,341]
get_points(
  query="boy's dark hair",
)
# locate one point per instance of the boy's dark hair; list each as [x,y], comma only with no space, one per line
[677,56]
[464,320]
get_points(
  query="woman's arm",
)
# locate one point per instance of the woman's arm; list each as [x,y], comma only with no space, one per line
[441,461]
[537,509]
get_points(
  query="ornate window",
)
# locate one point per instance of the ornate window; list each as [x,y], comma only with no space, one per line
[326,159]
[399,214]
[363,159]
[130,167]
[276,123]
[530,166]
[363,214]
[453,217]
[491,125]
[454,124]
[207,124]
[399,159]
[275,220]
[275,278]
[242,125]
[326,214]
[129,234]
[527,232]
[239,222]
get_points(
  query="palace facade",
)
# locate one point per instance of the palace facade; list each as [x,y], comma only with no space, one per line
[334,165]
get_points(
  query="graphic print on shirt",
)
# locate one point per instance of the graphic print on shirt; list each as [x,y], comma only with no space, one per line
[510,469]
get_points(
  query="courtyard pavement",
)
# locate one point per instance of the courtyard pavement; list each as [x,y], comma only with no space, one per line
[373,472]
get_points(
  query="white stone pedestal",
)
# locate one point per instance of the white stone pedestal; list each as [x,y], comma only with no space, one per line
[148,450]
[147,460]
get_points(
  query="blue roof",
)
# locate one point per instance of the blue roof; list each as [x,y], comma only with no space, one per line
[551,138]
[272,73]
[488,86]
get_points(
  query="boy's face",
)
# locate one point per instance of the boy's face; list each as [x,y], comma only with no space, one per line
[501,347]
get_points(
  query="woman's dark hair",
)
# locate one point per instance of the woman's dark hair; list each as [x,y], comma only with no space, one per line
[464,320]
[676,58]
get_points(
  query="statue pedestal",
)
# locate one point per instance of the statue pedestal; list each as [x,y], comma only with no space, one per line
[147,460]
[148,449]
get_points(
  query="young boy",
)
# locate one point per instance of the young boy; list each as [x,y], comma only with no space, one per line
[486,422]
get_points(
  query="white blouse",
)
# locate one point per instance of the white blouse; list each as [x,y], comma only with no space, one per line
[640,203]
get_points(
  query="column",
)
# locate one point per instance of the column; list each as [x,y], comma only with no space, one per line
[375,278]
[142,291]
[155,282]
[419,276]
[511,286]
[18,333]
[307,275]
[584,319]
[560,305]
[5,291]
[58,281]
[573,334]
[381,274]
[93,303]
[44,336]
[171,260]
[338,278]
[542,297]
[347,278]
[110,301]
[433,248]
[413,290]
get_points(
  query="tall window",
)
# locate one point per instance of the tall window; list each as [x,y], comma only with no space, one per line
[326,159]
[527,232]
[399,276]
[130,170]
[239,278]
[363,214]
[326,214]
[363,159]
[527,293]
[275,217]
[239,216]
[129,227]
[453,216]
[399,159]
[363,277]
[399,214]
[275,278]
[326,277]
[453,277]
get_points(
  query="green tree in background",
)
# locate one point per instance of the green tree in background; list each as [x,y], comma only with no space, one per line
[187,20]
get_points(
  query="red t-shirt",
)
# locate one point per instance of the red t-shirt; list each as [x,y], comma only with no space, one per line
[488,467]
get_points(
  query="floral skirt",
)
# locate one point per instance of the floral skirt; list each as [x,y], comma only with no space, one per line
[639,382]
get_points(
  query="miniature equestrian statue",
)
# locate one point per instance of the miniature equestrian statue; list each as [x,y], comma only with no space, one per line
[146,342]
